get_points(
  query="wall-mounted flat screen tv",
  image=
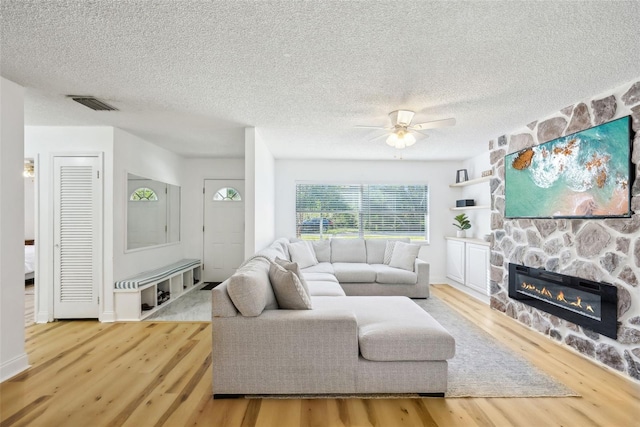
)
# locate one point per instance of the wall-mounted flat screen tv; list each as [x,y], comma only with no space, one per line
[587,174]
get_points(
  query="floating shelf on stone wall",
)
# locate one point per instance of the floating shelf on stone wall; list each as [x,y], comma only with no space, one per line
[464,208]
[472,181]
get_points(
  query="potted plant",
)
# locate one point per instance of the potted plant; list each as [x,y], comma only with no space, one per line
[462,223]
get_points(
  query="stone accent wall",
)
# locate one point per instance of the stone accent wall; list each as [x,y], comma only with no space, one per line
[603,250]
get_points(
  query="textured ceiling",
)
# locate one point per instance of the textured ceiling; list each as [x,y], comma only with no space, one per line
[190,75]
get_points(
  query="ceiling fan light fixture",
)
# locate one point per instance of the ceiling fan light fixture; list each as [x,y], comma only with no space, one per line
[401,139]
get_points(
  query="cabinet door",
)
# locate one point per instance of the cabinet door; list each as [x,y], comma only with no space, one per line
[455,260]
[477,267]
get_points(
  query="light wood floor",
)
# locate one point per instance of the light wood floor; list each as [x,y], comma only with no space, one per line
[29,304]
[151,374]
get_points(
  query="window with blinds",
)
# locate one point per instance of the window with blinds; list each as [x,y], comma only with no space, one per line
[361,210]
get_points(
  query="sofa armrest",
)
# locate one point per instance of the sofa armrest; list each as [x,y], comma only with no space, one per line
[422,269]
[285,351]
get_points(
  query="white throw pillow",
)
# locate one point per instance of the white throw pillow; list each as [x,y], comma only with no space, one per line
[289,291]
[388,251]
[295,269]
[302,254]
[404,256]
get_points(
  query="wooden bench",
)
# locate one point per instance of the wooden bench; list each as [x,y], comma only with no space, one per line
[140,296]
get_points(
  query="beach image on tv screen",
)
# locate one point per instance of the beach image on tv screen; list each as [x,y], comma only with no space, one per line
[586,174]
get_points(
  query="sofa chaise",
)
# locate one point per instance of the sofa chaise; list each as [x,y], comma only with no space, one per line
[335,344]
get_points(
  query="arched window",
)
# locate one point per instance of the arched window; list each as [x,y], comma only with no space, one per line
[143,194]
[227,194]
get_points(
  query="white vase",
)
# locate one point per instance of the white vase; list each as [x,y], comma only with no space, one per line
[461,233]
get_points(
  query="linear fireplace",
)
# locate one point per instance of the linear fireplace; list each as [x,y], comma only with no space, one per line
[584,302]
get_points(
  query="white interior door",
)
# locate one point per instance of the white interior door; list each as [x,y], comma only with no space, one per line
[77,231]
[223,228]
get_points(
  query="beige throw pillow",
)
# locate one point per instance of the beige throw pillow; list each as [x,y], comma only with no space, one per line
[293,267]
[289,291]
[302,253]
[404,256]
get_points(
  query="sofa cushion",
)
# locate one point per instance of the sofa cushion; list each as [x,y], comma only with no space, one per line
[348,250]
[392,275]
[322,249]
[289,291]
[354,272]
[321,267]
[376,249]
[404,256]
[293,267]
[250,289]
[325,288]
[393,328]
[302,253]
[327,277]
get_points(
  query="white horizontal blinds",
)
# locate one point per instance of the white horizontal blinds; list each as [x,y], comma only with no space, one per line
[76,223]
[337,205]
[315,198]
[362,210]
[395,210]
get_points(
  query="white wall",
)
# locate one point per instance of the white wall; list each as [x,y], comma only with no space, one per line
[29,208]
[192,215]
[437,175]
[481,193]
[43,143]
[13,358]
[260,191]
[139,157]
[264,195]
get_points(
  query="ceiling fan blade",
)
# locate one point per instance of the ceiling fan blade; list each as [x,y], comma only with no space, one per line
[373,127]
[421,133]
[434,124]
[378,137]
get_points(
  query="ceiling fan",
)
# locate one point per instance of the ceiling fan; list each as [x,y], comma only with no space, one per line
[402,130]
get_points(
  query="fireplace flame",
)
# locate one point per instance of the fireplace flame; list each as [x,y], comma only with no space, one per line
[559,297]
[577,303]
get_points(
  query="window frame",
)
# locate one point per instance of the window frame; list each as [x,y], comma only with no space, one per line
[362,213]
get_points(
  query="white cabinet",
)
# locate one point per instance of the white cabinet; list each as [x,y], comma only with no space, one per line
[468,263]
[455,260]
[477,267]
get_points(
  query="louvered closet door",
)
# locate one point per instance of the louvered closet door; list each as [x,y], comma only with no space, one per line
[77,254]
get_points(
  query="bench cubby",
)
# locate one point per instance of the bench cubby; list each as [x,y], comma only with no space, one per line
[140,296]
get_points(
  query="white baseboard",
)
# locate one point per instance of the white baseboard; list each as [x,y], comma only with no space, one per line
[13,367]
[467,290]
[108,317]
[42,317]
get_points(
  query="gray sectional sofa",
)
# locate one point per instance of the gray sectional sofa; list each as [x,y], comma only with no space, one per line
[341,345]
[358,265]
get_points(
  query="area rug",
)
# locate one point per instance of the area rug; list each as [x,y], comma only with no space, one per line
[483,367]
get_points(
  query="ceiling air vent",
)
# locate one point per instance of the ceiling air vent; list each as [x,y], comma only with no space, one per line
[93,103]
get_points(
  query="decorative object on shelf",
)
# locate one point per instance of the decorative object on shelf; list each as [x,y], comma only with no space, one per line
[462,175]
[488,172]
[463,224]
[465,202]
